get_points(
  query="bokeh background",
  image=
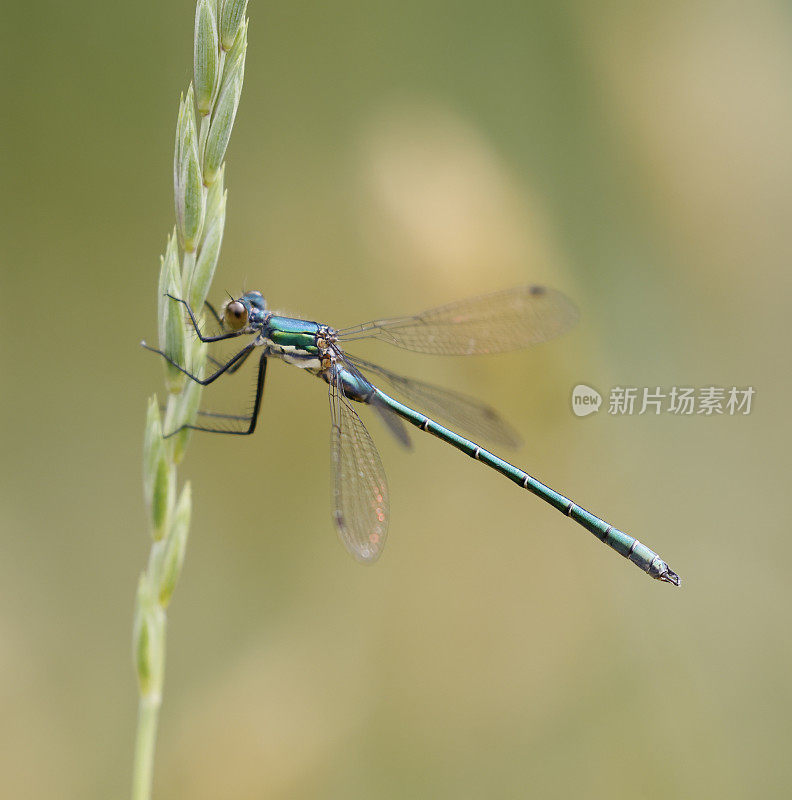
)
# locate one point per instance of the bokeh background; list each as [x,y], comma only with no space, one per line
[388,157]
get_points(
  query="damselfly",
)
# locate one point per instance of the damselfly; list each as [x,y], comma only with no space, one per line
[493,323]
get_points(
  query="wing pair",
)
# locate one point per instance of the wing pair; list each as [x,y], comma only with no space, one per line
[494,323]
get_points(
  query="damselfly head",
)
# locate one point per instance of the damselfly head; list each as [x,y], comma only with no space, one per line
[248,310]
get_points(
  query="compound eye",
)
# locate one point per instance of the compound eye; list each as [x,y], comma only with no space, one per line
[235,315]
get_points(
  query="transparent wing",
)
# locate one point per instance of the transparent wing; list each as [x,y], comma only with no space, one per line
[392,422]
[360,487]
[493,323]
[468,414]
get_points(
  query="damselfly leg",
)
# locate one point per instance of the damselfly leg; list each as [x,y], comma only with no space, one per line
[235,367]
[242,354]
[236,424]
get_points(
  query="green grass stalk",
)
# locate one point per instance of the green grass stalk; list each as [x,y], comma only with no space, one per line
[205,120]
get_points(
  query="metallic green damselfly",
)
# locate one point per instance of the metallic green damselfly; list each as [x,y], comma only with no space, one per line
[493,323]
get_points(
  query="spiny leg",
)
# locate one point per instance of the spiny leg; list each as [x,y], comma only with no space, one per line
[251,420]
[231,370]
[242,354]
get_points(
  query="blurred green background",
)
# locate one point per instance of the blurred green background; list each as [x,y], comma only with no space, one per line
[388,157]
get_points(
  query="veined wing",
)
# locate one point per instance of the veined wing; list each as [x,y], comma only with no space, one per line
[468,414]
[360,486]
[493,323]
[392,422]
